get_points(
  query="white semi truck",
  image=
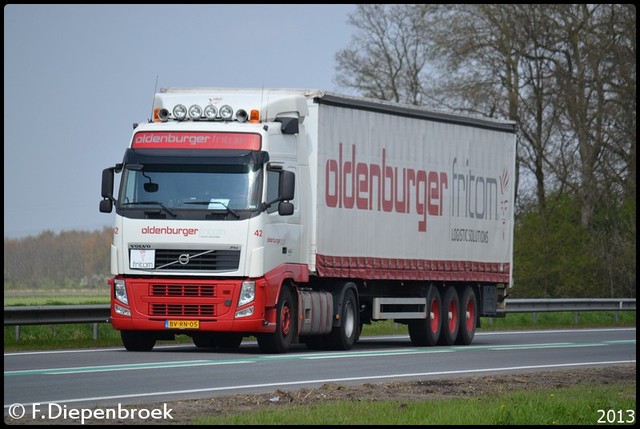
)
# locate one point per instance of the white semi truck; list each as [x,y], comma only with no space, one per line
[297,216]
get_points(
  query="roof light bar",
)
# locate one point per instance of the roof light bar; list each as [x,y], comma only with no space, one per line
[210,112]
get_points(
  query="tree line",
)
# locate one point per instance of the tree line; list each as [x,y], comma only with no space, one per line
[66,260]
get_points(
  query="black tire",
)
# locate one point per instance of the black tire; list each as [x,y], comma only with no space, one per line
[359,331]
[426,332]
[138,341]
[343,337]
[468,317]
[228,340]
[286,325]
[450,317]
[204,340]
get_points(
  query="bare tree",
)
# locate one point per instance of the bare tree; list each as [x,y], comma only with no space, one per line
[388,55]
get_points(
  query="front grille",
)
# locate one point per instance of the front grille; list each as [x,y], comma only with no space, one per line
[206,291]
[191,310]
[197,260]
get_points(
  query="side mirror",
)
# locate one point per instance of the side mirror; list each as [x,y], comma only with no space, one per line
[106,206]
[285,208]
[286,192]
[287,185]
[107,183]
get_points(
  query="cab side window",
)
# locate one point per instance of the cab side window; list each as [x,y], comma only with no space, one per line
[273,181]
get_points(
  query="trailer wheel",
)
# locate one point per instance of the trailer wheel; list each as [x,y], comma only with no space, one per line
[450,317]
[343,337]
[468,317]
[426,332]
[280,341]
[138,341]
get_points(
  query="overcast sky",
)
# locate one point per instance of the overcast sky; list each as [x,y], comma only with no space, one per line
[76,77]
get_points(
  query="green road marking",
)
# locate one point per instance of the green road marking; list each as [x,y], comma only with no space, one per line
[337,355]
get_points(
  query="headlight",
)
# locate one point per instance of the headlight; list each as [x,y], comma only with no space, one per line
[120,291]
[247,293]
[226,112]
[210,112]
[121,310]
[180,112]
[244,312]
[242,115]
[195,111]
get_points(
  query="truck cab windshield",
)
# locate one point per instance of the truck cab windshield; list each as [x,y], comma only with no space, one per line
[189,190]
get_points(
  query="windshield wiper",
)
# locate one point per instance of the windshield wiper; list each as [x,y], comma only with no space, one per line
[152,202]
[203,203]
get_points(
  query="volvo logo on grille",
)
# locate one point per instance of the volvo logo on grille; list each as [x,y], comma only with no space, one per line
[183,259]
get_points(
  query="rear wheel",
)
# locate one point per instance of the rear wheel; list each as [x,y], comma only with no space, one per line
[344,336]
[425,332]
[450,317]
[286,318]
[468,317]
[138,341]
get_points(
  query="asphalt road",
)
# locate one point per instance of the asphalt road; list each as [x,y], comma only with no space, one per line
[108,377]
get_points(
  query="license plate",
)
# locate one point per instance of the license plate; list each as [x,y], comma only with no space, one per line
[182,324]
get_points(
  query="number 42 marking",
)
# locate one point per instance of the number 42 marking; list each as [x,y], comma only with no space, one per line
[258,233]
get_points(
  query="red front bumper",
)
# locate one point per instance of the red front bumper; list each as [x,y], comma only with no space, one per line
[152,302]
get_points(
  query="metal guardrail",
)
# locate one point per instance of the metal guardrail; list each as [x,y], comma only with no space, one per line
[100,313]
[56,314]
[540,305]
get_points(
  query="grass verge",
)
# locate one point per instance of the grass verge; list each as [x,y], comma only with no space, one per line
[581,405]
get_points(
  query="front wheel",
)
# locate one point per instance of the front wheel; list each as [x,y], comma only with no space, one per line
[138,341]
[286,318]
[228,340]
[204,340]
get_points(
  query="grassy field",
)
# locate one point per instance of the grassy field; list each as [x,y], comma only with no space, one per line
[59,297]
